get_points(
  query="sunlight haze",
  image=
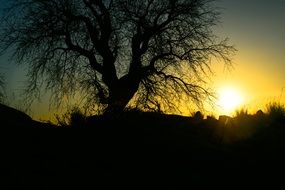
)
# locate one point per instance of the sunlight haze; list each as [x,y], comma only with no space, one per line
[229,100]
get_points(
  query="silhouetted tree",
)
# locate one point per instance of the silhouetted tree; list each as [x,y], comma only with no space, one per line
[151,51]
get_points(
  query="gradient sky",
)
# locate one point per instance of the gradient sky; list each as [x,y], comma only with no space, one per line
[255,27]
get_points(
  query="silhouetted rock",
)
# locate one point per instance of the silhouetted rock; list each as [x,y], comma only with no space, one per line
[198,116]
[211,122]
[224,119]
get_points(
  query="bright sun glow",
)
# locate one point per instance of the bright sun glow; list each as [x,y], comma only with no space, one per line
[229,99]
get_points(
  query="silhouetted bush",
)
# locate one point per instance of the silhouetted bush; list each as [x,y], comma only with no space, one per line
[245,124]
[259,113]
[72,118]
[243,112]
[276,113]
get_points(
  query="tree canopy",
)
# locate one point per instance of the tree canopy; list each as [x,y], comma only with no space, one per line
[113,52]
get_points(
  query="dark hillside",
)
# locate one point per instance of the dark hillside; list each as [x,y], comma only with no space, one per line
[140,151]
[13,117]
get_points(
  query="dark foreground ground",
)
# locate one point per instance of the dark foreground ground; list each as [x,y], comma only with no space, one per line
[138,151]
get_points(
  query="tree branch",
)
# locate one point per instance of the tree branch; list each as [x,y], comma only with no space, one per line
[94,64]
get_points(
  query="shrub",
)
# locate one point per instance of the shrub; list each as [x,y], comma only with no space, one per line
[73,117]
[276,112]
[240,113]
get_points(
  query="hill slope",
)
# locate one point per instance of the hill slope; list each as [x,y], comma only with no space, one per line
[136,151]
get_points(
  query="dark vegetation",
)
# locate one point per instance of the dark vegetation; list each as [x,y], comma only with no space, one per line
[140,150]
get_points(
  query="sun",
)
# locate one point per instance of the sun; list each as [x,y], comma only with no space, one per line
[229,99]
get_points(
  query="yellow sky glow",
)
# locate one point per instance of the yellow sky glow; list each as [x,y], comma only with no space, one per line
[229,99]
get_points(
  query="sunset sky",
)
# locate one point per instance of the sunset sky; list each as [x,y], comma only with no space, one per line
[257,30]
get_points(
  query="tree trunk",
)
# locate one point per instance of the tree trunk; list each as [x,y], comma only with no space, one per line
[120,95]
